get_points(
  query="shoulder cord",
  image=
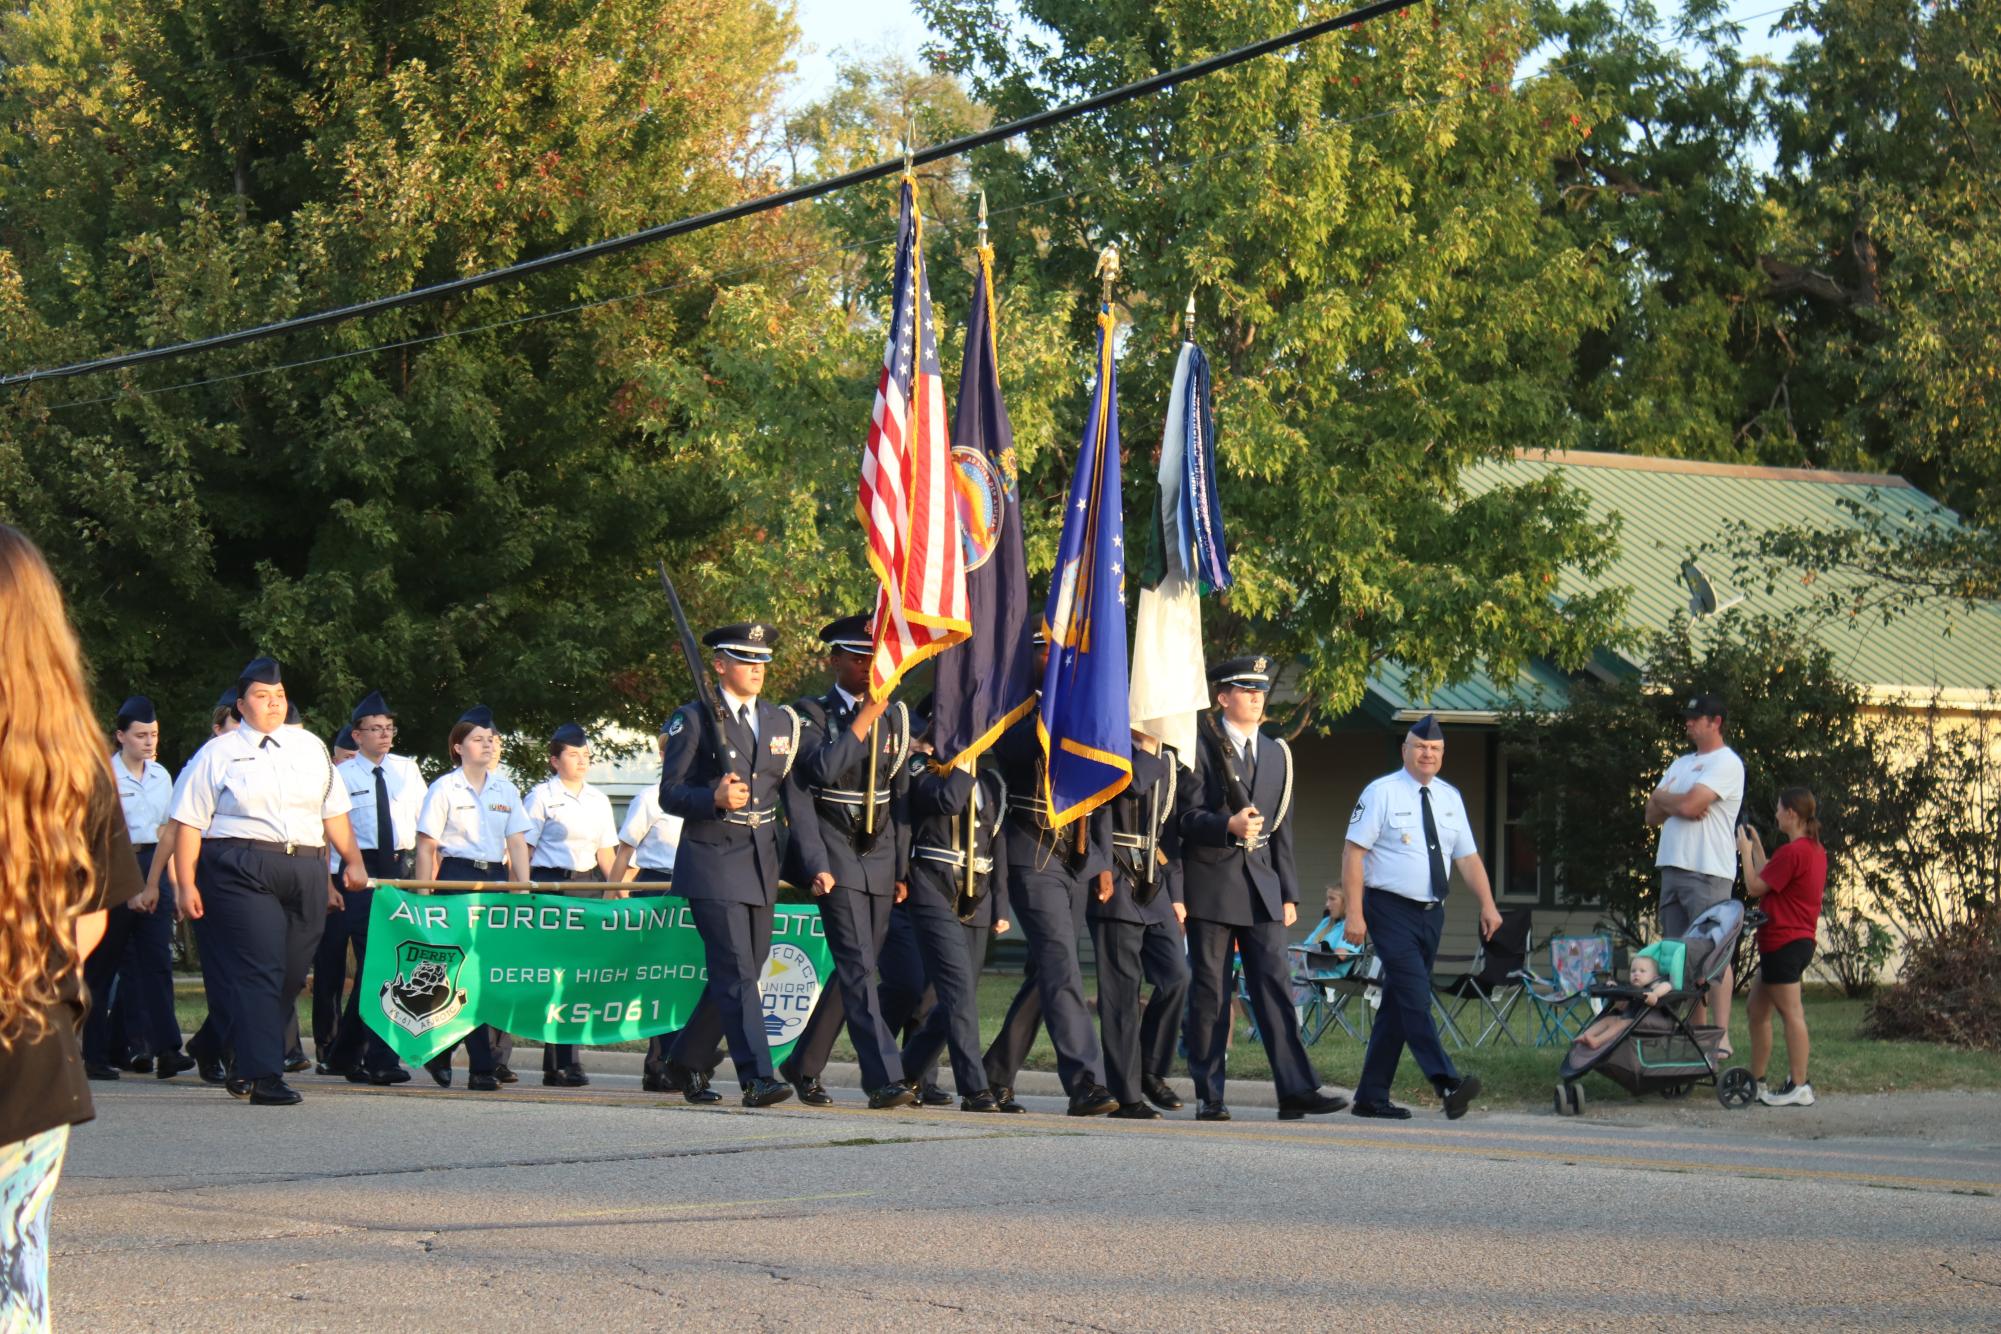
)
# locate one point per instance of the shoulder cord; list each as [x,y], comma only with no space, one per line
[1285,796]
[792,751]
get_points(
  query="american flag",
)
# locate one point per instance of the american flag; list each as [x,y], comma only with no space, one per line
[906,496]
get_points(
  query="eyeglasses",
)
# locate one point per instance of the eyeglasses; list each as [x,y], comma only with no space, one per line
[385,728]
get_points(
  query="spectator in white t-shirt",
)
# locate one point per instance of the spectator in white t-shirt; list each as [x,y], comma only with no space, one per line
[1695,807]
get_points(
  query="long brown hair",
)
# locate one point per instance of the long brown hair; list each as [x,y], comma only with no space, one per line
[1800,801]
[51,762]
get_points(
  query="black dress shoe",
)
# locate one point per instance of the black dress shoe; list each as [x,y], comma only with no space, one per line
[1459,1097]
[1135,1111]
[483,1083]
[294,1064]
[933,1096]
[1211,1111]
[1160,1093]
[212,1072]
[93,1070]
[654,1082]
[140,1065]
[812,1094]
[440,1068]
[983,1101]
[238,1088]
[1310,1104]
[1381,1111]
[694,1085]
[322,1068]
[555,1079]
[505,1075]
[764,1092]
[271,1091]
[395,1074]
[1004,1098]
[578,1079]
[173,1063]
[1093,1100]
[888,1096]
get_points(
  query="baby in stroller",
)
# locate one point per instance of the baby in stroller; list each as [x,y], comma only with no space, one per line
[1645,1039]
[1644,975]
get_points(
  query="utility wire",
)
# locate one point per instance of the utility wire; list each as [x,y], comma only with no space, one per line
[683,226]
[801,261]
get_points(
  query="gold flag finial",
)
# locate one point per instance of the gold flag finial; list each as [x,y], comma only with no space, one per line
[983,219]
[1188,324]
[1108,268]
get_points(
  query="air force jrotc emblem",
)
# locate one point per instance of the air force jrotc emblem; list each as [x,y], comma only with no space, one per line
[789,986]
[425,991]
[756,635]
[1259,666]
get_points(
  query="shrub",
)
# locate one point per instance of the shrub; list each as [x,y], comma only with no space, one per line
[1949,989]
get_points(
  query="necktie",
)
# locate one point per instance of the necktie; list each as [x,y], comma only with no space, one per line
[265,742]
[1440,883]
[385,833]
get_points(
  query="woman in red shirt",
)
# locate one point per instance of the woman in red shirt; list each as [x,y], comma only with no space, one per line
[1789,886]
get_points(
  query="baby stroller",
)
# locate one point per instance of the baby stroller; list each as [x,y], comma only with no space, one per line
[1659,1050]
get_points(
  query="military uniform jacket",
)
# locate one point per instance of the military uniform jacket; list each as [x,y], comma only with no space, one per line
[1032,847]
[1221,877]
[938,836]
[825,798]
[730,857]
[1159,787]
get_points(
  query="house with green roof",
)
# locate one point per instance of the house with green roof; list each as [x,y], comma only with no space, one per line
[1666,510]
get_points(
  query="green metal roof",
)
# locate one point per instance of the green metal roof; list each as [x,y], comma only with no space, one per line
[1390,698]
[1671,509]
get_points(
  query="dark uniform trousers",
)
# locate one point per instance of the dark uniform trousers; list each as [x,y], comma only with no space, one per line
[265,911]
[934,1034]
[857,923]
[1405,933]
[146,976]
[103,970]
[656,1046]
[903,985]
[1268,981]
[1049,906]
[1138,1040]
[736,938]
[941,938]
[484,1044]
[557,1056]
[351,1041]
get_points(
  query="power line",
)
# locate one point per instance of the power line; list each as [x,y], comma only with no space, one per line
[800,261]
[684,226]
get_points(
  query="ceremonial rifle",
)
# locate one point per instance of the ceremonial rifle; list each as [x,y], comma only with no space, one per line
[1235,789]
[706,692]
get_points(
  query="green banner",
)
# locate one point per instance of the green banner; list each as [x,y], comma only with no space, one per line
[551,968]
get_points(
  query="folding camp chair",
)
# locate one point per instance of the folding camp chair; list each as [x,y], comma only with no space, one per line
[1319,964]
[1493,982]
[1562,1000]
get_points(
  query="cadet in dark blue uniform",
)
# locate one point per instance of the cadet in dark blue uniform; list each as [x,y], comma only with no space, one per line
[955,819]
[264,801]
[1137,932]
[1049,879]
[1242,892]
[850,846]
[725,782]
[385,792]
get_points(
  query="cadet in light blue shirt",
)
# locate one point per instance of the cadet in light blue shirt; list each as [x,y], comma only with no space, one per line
[1405,836]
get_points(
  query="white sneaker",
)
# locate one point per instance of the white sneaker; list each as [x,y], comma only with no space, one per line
[1787,1094]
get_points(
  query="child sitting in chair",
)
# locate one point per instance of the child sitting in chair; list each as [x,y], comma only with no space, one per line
[1644,975]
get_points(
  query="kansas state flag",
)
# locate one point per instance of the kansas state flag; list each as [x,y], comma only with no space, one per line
[1083,718]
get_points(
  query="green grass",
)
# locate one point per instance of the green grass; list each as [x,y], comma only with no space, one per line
[1844,1060]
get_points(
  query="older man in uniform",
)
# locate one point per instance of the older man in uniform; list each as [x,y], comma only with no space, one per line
[1242,893]
[847,806]
[724,779]
[1406,834]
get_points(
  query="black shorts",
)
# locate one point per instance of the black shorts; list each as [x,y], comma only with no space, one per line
[1785,965]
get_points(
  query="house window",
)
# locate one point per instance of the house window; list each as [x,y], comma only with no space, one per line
[1523,877]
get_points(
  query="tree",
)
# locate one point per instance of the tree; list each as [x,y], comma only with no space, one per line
[451,502]
[1384,291]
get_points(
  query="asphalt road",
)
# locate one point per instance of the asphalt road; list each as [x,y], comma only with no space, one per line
[609,1208]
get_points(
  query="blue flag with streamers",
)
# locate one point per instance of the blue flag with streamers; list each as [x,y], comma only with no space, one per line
[1083,720]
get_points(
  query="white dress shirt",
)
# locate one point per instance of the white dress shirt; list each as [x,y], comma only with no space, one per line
[278,788]
[473,823]
[1389,822]
[567,828]
[148,799]
[650,832]
[406,797]
[735,704]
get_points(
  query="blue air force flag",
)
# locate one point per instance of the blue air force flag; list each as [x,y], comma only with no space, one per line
[1082,722]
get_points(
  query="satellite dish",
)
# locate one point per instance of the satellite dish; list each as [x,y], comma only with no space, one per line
[1701,593]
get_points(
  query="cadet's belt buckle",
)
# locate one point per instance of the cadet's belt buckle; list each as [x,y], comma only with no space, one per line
[288,847]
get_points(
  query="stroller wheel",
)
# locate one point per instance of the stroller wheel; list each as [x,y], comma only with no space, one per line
[1736,1088]
[1569,1099]
[1676,1092]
